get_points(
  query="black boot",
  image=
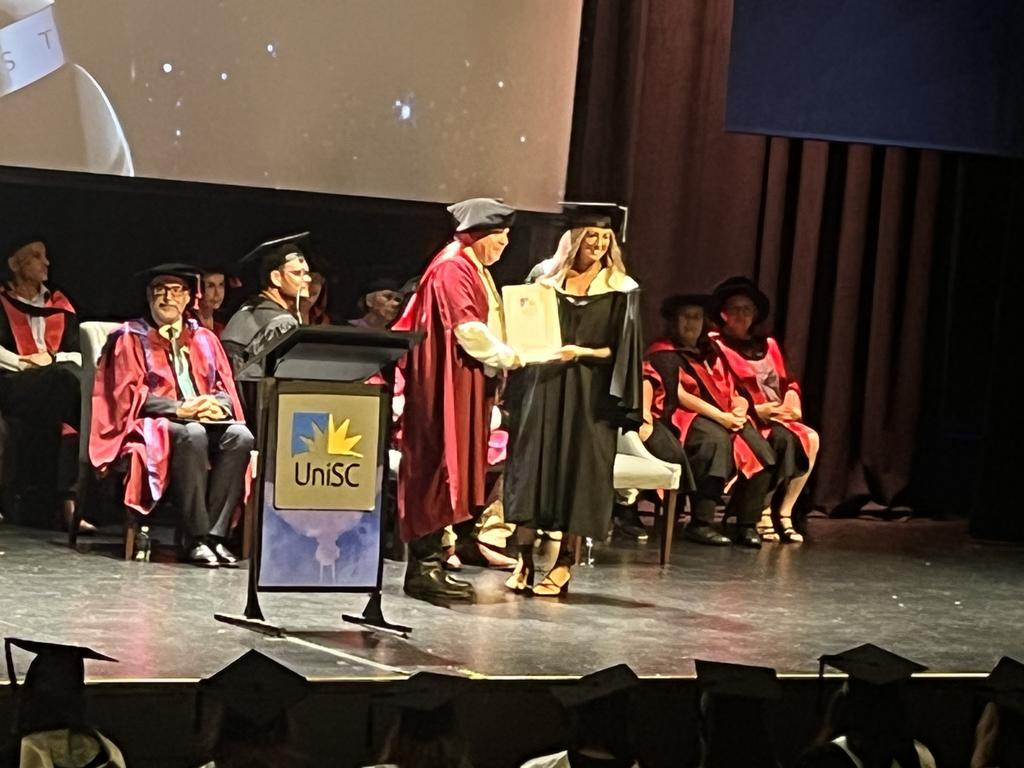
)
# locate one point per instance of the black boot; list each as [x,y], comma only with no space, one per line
[425,577]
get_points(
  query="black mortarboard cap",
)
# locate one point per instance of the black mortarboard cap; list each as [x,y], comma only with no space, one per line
[1005,684]
[13,241]
[739,680]
[872,665]
[425,692]
[56,668]
[256,689]
[739,285]
[673,305]
[481,213]
[379,284]
[274,254]
[604,215]
[297,243]
[597,685]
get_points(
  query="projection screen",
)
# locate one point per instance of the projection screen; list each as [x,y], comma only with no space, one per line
[412,99]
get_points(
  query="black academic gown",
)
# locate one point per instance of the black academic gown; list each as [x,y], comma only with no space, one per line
[251,330]
[564,418]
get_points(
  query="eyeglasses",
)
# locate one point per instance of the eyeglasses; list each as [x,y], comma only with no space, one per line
[171,290]
[740,309]
[298,274]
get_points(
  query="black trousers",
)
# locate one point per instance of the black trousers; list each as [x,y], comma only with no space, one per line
[206,479]
[708,452]
[42,464]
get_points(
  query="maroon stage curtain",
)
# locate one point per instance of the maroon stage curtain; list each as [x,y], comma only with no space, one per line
[841,237]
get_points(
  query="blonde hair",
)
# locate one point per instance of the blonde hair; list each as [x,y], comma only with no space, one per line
[554,270]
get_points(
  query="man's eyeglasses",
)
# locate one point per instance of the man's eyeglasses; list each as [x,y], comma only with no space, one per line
[171,290]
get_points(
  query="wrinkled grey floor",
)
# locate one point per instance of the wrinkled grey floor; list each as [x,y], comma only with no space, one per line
[924,589]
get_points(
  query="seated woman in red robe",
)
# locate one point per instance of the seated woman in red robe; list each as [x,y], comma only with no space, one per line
[694,417]
[760,371]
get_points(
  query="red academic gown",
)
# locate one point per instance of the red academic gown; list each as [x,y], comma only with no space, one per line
[448,400]
[746,378]
[136,363]
[55,314]
[713,383]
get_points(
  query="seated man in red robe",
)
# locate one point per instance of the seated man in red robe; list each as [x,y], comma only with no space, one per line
[450,385]
[165,400]
[40,394]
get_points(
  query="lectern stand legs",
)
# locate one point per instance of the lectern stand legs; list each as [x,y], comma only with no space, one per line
[373,616]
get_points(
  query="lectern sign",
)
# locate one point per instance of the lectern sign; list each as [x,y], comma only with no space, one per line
[327,452]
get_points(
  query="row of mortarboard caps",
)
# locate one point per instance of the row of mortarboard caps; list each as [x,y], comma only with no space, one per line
[259,690]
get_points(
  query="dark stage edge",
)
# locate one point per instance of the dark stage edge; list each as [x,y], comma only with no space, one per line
[921,588]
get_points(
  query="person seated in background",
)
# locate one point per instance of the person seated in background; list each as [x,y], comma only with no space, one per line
[40,390]
[756,363]
[313,308]
[164,398]
[284,280]
[600,713]
[734,725]
[379,302]
[52,728]
[866,725]
[694,417]
[212,291]
[999,738]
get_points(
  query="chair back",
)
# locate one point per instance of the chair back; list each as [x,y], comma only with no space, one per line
[92,337]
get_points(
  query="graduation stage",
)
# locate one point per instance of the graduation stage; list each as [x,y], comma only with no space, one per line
[923,589]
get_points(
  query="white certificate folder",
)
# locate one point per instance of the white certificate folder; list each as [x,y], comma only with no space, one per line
[531,321]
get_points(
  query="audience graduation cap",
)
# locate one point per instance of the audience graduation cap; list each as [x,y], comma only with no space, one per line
[425,692]
[1005,685]
[596,686]
[603,215]
[256,689]
[741,681]
[872,665]
[56,669]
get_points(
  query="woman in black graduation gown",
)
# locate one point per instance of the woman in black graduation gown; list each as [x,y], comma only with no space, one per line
[565,414]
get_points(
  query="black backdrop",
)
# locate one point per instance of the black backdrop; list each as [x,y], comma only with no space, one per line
[101,230]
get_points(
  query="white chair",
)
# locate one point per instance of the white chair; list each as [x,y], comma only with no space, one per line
[639,469]
[92,337]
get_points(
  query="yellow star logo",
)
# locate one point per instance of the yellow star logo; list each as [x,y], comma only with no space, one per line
[338,441]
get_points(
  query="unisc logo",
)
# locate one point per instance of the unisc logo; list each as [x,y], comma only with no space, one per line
[323,451]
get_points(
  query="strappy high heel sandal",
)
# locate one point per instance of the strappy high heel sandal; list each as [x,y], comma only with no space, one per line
[521,580]
[766,528]
[790,535]
[554,585]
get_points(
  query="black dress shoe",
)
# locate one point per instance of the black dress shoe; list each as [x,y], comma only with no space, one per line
[428,581]
[747,536]
[224,556]
[630,529]
[705,534]
[202,556]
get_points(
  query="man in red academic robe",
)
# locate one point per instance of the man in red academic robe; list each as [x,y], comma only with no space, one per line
[164,399]
[40,394]
[450,384]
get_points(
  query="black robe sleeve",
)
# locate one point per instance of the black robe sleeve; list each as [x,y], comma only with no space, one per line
[627,363]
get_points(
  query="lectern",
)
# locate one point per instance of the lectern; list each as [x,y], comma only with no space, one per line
[323,421]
